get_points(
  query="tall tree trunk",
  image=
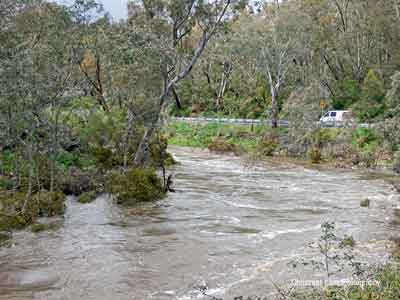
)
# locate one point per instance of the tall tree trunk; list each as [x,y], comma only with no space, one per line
[141,152]
[30,176]
[274,109]
[128,134]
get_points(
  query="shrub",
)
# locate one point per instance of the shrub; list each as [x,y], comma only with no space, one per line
[4,237]
[365,203]
[158,152]
[221,145]
[347,241]
[6,183]
[41,204]
[87,197]
[75,182]
[136,185]
[364,138]
[105,157]
[39,227]
[268,144]
[396,162]
[349,93]
[45,204]
[314,154]
[7,161]
[369,159]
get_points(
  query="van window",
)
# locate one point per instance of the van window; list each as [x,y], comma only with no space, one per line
[333,114]
[327,114]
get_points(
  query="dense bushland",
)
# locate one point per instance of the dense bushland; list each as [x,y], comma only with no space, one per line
[82,97]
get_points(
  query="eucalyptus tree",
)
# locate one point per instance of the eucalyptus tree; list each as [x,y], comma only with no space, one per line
[36,65]
[271,43]
[216,67]
[91,24]
[184,29]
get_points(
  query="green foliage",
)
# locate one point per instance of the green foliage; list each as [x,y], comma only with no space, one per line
[393,97]
[136,185]
[373,88]
[192,135]
[364,138]
[159,157]
[315,155]
[105,157]
[320,137]
[13,222]
[7,161]
[35,228]
[349,93]
[41,204]
[335,254]
[87,197]
[77,159]
[39,227]
[6,183]
[268,144]
[47,204]
[371,104]
[104,129]
[347,241]
[365,203]
[220,145]
[75,181]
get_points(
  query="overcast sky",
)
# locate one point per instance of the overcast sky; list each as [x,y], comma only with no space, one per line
[117,8]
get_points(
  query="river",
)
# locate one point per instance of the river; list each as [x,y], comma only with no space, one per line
[230,225]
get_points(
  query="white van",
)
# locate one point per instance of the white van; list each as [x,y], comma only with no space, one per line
[337,116]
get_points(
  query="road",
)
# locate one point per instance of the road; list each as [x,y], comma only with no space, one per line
[281,123]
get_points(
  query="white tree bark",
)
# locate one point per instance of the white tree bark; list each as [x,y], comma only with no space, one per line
[143,148]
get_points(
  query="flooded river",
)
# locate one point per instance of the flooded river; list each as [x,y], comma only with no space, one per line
[230,226]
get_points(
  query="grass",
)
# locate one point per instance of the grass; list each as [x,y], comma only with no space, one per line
[202,135]
[254,139]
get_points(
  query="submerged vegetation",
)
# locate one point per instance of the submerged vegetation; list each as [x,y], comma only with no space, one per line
[87,197]
[343,147]
[136,185]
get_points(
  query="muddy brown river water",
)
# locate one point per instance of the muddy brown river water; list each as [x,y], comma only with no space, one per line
[231,226]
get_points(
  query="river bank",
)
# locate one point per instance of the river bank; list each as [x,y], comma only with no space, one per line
[229,224]
[342,148]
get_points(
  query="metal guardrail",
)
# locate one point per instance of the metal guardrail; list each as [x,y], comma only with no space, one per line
[201,120]
[281,123]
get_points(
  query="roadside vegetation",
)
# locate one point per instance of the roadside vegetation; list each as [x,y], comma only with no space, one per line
[244,138]
[339,147]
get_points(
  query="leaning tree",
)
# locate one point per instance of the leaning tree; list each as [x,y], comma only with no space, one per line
[181,24]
